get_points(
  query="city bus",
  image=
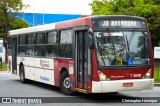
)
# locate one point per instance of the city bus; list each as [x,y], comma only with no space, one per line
[93,54]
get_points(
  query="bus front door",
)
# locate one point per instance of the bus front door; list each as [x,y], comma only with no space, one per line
[81,61]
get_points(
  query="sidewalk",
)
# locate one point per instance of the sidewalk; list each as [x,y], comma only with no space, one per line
[5,71]
[156,84]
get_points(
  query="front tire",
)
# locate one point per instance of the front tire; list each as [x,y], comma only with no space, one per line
[65,84]
[22,74]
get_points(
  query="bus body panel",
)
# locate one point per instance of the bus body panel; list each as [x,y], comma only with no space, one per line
[95,76]
[74,23]
[151,52]
[61,65]
[121,85]
[44,70]
[38,69]
[125,73]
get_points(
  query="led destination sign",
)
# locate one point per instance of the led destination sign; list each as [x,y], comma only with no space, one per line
[118,24]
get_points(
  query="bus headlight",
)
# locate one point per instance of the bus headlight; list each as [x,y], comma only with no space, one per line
[102,76]
[147,75]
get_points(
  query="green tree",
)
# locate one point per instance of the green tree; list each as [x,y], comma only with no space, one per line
[18,23]
[6,8]
[149,9]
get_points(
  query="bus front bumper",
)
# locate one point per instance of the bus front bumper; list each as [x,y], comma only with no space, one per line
[121,85]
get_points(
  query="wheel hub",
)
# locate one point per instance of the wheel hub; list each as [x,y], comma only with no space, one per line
[66,83]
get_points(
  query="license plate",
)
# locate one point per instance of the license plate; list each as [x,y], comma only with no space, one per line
[128,84]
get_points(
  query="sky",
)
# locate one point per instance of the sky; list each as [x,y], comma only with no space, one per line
[58,6]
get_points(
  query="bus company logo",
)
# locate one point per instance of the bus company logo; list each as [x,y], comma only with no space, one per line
[44,78]
[44,63]
[117,76]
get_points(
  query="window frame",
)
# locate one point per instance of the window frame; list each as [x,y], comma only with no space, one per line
[50,44]
[59,43]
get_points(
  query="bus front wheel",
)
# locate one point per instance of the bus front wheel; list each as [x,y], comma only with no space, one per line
[22,74]
[65,84]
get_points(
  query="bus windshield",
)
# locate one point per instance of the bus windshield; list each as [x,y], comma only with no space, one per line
[122,48]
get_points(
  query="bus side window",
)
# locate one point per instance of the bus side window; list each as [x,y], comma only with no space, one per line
[40,47]
[51,39]
[21,45]
[30,47]
[65,46]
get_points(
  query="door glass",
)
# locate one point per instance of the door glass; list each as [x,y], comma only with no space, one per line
[82,59]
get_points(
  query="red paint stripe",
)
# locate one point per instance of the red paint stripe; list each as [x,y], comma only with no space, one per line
[37,67]
[74,23]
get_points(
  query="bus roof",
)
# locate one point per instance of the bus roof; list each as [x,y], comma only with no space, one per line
[71,23]
[33,29]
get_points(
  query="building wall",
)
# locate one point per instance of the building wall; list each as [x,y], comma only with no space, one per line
[35,19]
[49,11]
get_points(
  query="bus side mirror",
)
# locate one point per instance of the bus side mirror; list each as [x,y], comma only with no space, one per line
[90,39]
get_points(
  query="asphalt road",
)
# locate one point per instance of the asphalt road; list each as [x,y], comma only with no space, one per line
[34,93]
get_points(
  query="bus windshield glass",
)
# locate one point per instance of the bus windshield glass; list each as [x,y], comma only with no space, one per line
[122,48]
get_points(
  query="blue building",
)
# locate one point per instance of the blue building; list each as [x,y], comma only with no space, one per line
[35,19]
[49,11]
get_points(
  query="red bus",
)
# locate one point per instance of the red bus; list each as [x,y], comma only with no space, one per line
[95,54]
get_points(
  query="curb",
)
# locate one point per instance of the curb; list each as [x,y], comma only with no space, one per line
[156,84]
[4,71]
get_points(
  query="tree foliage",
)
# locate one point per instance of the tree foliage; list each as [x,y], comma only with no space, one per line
[18,23]
[8,7]
[149,9]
